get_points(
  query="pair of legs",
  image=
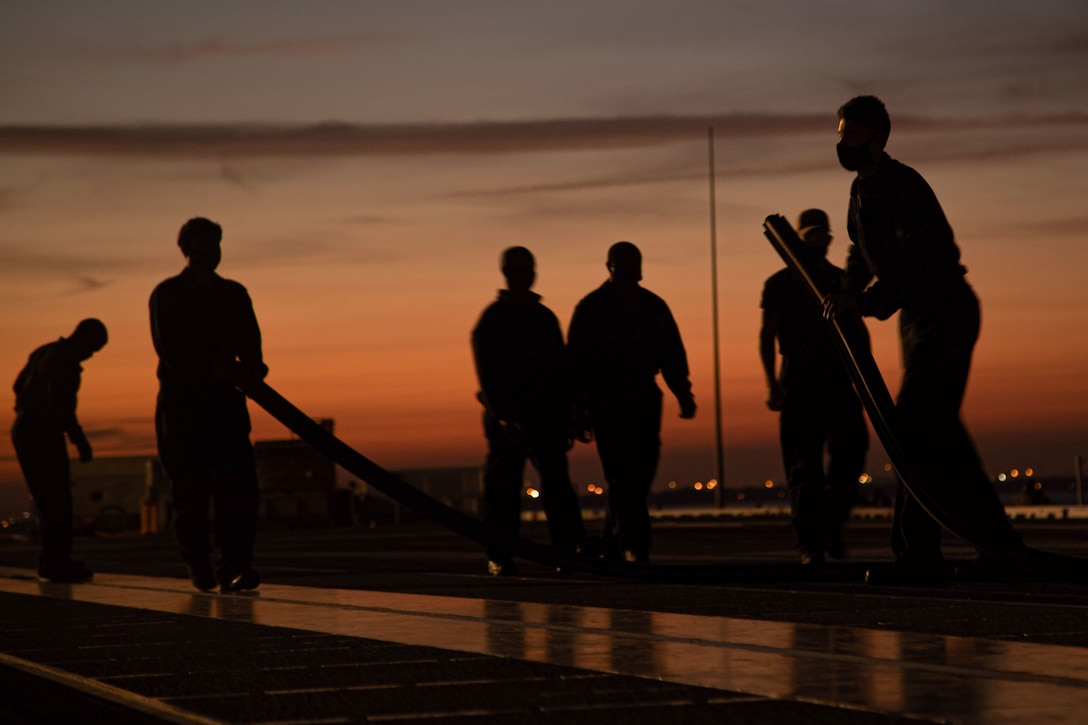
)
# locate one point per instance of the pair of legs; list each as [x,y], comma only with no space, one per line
[937,349]
[628,434]
[546,448]
[43,456]
[215,507]
[819,418]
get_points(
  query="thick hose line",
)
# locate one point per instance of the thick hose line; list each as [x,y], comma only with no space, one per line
[392,486]
[852,341]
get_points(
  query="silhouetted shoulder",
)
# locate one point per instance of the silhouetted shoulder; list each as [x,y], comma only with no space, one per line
[185,284]
[653,299]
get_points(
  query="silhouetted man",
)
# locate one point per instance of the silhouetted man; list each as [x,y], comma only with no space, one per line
[620,337]
[45,411]
[207,339]
[903,241]
[820,412]
[525,386]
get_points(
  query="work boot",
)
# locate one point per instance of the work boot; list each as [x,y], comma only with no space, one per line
[501,567]
[202,576]
[906,572]
[70,571]
[248,580]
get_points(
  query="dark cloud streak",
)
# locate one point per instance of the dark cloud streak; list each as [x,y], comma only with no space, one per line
[231,141]
[337,139]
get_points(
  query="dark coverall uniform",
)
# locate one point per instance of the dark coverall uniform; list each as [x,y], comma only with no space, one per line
[45,407]
[617,353]
[204,336]
[902,238]
[821,409]
[525,387]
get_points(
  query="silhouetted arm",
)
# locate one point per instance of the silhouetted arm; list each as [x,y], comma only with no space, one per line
[768,335]
[250,357]
[674,366]
[63,379]
[490,360]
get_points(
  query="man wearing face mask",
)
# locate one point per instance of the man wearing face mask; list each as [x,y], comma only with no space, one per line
[207,339]
[819,409]
[904,258]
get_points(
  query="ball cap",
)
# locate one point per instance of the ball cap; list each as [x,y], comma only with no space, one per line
[811,219]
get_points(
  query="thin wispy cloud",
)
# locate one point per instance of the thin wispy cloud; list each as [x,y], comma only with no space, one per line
[214,48]
[74,273]
[89,284]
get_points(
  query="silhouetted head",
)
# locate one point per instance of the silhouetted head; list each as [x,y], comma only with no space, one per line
[199,240]
[89,337]
[814,228]
[864,127]
[624,264]
[519,268]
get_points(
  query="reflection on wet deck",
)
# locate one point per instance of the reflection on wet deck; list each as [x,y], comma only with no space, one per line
[955,678]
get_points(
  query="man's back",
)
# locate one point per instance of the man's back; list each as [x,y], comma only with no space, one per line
[199,330]
[45,390]
[618,346]
[520,358]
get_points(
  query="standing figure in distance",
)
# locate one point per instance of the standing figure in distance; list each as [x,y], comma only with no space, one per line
[620,337]
[207,339]
[525,387]
[45,411]
[819,408]
[904,258]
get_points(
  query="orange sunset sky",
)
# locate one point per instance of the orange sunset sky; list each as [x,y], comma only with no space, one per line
[370,161]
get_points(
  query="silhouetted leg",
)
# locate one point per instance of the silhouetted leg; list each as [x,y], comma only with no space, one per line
[43,457]
[937,351]
[549,456]
[802,437]
[503,471]
[191,494]
[237,499]
[848,442]
[629,445]
[915,534]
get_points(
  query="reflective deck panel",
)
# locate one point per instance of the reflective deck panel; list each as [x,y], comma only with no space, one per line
[956,678]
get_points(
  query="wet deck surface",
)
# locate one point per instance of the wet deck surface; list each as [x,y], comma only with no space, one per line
[401,624]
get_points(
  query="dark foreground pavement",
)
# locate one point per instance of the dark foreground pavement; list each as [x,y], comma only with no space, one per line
[401,623]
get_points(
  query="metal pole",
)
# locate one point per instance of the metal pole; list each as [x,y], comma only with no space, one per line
[718,493]
[1078,469]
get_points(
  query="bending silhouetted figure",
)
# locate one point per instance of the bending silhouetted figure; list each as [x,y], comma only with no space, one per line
[526,390]
[904,259]
[620,337]
[207,339]
[821,415]
[45,412]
